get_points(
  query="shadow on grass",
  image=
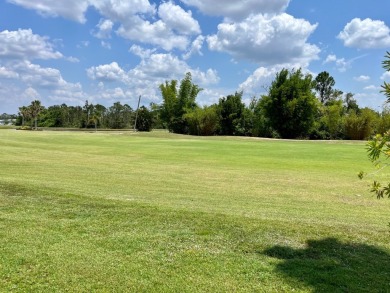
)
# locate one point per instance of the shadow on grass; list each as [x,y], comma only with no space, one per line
[329,265]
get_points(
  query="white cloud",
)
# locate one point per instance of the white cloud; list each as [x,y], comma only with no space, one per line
[385,76]
[267,40]
[8,73]
[372,88]
[330,58]
[72,9]
[138,19]
[23,44]
[371,100]
[36,76]
[30,94]
[83,44]
[341,64]
[138,22]
[141,52]
[362,78]
[196,48]
[262,77]
[104,28]
[105,45]
[205,78]
[365,34]
[145,78]
[238,10]
[157,33]
[177,19]
[108,72]
[73,59]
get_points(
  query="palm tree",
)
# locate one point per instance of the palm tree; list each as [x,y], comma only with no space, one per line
[25,113]
[35,109]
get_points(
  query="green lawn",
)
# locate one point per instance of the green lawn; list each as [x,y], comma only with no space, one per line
[157,212]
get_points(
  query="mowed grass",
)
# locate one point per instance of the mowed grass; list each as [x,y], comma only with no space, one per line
[157,212]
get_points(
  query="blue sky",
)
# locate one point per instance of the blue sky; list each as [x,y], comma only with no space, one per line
[106,51]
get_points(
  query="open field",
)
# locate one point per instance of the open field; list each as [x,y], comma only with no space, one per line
[152,212]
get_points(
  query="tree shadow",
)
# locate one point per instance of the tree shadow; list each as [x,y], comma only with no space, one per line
[328,265]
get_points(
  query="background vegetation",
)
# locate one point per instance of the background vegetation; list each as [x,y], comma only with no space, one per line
[296,106]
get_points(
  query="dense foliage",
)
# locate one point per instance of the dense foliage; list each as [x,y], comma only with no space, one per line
[291,105]
[295,106]
[379,146]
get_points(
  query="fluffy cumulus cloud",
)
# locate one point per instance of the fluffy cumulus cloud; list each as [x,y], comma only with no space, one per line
[167,26]
[7,73]
[261,78]
[104,28]
[365,34]
[156,33]
[107,73]
[24,44]
[73,9]
[42,78]
[177,19]
[138,22]
[145,78]
[386,76]
[30,94]
[372,88]
[196,48]
[267,39]
[341,64]
[238,10]
[362,78]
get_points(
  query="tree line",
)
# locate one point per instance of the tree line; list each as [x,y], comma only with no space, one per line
[297,105]
[95,116]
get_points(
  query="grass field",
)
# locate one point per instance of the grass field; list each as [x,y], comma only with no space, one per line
[157,212]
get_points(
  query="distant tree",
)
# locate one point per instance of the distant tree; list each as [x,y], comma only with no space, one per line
[119,116]
[203,121]
[35,109]
[334,119]
[88,110]
[323,85]
[350,103]
[177,103]
[361,125]
[100,114]
[155,110]
[169,95]
[231,111]
[144,119]
[291,105]
[25,113]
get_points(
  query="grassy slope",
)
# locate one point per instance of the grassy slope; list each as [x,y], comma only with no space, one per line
[159,212]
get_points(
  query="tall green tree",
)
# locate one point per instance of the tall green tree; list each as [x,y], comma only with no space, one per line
[291,105]
[203,121]
[35,110]
[144,119]
[177,103]
[350,103]
[169,95]
[25,113]
[324,86]
[231,113]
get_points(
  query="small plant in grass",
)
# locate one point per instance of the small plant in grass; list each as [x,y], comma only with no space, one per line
[378,148]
